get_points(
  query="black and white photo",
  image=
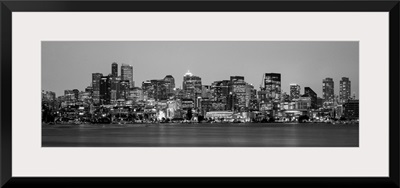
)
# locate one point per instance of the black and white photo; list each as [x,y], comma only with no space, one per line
[200,93]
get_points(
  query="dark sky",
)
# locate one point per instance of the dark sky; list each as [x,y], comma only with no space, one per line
[70,64]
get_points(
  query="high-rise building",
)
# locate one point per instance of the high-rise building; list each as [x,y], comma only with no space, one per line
[170,84]
[96,77]
[328,89]
[127,74]
[309,92]
[191,85]
[294,91]
[251,96]
[114,69]
[159,89]
[124,88]
[115,88]
[220,91]
[345,90]
[238,88]
[272,86]
[147,90]
[105,88]
[155,89]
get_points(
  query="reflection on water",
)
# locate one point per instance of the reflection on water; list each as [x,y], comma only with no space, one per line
[201,135]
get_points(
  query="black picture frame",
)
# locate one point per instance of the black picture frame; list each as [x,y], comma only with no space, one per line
[7,7]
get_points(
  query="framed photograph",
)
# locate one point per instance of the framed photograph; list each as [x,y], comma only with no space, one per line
[271,93]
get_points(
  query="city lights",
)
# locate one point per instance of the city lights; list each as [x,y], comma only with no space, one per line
[117,99]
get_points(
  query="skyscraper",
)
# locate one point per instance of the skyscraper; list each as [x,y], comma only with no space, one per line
[220,91]
[328,89]
[251,97]
[96,77]
[191,85]
[272,86]
[159,89]
[105,90]
[127,74]
[124,86]
[170,84]
[238,88]
[294,91]
[114,69]
[148,90]
[345,89]
[155,89]
[115,88]
[309,92]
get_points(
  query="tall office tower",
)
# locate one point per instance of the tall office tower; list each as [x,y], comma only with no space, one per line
[159,89]
[147,89]
[127,74]
[328,89]
[220,91]
[114,69]
[124,88]
[154,89]
[251,97]
[170,84]
[309,92]
[294,91]
[96,77]
[105,88]
[272,86]
[115,88]
[191,85]
[238,89]
[345,90]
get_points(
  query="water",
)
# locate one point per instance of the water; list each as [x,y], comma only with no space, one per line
[202,135]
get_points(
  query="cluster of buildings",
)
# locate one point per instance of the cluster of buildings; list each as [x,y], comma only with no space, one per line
[160,98]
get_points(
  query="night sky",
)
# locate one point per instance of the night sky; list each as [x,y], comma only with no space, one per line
[70,64]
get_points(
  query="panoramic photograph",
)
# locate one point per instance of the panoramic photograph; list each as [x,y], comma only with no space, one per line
[200,93]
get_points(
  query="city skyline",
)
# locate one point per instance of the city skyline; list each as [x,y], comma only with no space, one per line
[63,54]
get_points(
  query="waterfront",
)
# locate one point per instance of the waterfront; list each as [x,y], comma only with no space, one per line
[202,135]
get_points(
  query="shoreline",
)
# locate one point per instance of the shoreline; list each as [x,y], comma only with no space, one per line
[248,124]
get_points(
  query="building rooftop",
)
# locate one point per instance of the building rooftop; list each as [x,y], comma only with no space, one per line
[188,73]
